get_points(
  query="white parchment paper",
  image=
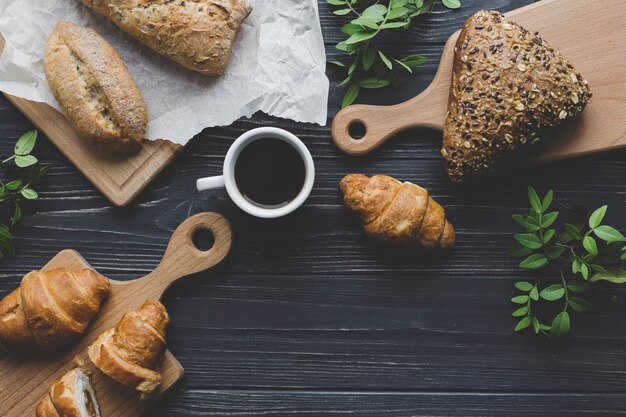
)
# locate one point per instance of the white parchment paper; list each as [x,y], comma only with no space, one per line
[277,66]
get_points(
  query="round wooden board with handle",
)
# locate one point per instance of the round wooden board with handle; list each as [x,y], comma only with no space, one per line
[24,380]
[593,39]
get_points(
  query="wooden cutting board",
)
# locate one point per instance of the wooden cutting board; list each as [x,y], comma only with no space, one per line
[23,381]
[593,39]
[119,178]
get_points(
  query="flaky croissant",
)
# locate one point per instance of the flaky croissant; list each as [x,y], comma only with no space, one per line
[395,212]
[50,308]
[70,396]
[130,353]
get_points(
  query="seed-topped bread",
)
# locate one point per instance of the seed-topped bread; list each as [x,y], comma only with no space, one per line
[509,89]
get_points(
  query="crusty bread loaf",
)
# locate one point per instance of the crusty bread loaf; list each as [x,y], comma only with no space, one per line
[197,34]
[509,89]
[95,90]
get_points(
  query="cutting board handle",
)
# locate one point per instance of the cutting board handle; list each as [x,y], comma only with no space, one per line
[381,123]
[183,258]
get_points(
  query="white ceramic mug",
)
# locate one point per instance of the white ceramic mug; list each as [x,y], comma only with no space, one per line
[228,178]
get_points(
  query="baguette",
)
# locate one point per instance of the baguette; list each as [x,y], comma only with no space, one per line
[95,90]
[197,34]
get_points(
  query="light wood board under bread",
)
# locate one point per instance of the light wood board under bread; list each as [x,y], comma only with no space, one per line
[593,39]
[119,178]
[24,380]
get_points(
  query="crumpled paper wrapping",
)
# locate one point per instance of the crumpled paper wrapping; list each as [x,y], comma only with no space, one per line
[277,66]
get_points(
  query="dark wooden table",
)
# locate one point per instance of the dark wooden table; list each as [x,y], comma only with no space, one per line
[306,317]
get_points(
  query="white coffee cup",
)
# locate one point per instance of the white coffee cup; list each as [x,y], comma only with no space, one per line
[228,178]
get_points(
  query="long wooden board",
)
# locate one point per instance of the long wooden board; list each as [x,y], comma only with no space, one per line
[593,39]
[24,380]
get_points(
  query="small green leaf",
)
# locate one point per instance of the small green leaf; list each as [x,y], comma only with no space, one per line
[523,323]
[385,60]
[373,83]
[527,223]
[520,312]
[584,270]
[553,292]
[352,67]
[351,94]
[339,64]
[528,240]
[29,193]
[580,305]
[25,161]
[535,261]
[578,286]
[360,36]
[367,22]
[524,286]
[375,10]
[544,327]
[549,218]
[560,325]
[576,265]
[394,25]
[336,2]
[614,275]
[554,252]
[519,251]
[13,185]
[348,29]
[17,215]
[413,61]
[596,217]
[547,200]
[534,294]
[342,12]
[26,143]
[573,231]
[548,235]
[520,299]
[451,4]
[369,56]
[535,324]
[397,12]
[608,234]
[403,65]
[534,200]
[590,245]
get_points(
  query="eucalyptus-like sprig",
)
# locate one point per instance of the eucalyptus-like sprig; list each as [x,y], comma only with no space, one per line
[15,191]
[369,66]
[586,252]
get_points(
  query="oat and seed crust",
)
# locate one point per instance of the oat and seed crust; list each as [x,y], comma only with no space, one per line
[509,89]
[94,88]
[197,34]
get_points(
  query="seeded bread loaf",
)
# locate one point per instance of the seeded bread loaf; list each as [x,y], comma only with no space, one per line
[197,34]
[509,89]
[95,90]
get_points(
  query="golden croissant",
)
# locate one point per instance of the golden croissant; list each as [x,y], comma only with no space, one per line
[70,396]
[395,212]
[50,308]
[130,353]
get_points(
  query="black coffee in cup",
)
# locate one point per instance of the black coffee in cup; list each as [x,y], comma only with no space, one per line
[269,172]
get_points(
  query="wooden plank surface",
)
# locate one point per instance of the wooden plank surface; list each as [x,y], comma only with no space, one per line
[24,380]
[305,317]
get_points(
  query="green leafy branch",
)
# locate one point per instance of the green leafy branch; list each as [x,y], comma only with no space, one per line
[587,249]
[13,192]
[370,67]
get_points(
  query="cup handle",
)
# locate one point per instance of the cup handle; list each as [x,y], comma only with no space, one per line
[209,183]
